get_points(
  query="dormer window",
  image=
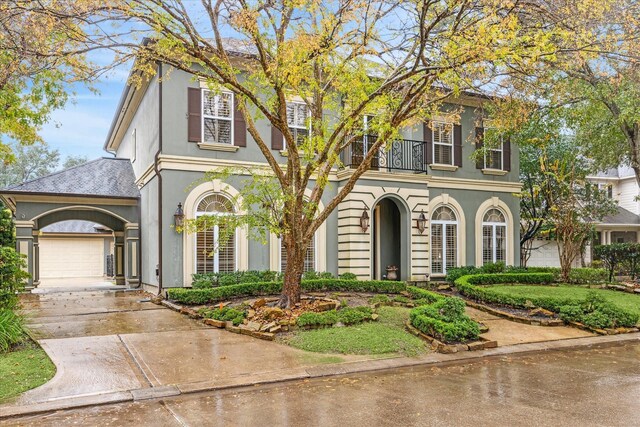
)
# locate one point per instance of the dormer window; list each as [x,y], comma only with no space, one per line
[217,117]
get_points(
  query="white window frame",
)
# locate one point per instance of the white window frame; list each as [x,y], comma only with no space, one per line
[307,120]
[216,235]
[494,238]
[315,254]
[435,127]
[495,149]
[230,119]
[444,224]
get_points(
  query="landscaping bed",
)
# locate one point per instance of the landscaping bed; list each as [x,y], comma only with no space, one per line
[24,367]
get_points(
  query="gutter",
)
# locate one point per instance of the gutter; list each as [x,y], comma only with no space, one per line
[156,168]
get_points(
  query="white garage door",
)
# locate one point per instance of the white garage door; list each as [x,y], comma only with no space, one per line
[71,257]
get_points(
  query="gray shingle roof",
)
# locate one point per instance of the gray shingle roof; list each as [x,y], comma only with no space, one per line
[622,217]
[75,226]
[104,177]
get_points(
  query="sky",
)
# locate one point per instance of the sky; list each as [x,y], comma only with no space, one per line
[81,127]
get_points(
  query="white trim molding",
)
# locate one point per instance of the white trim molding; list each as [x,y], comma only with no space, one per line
[188,242]
[445,200]
[494,202]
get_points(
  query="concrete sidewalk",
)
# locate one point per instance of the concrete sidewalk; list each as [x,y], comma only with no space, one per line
[113,347]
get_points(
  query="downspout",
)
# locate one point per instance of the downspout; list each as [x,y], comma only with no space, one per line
[156,167]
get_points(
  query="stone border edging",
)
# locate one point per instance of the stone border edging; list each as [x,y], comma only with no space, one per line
[441,347]
[513,317]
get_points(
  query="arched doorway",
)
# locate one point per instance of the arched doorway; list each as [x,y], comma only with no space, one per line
[390,238]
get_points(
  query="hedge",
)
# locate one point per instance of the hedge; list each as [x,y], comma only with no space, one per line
[221,293]
[468,286]
[445,320]
[576,275]
[347,316]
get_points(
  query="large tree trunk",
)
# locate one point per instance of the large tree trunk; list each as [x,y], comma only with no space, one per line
[296,251]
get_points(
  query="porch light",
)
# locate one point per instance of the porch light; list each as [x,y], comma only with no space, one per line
[178,217]
[421,223]
[364,220]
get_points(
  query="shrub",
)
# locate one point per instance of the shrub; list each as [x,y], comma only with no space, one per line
[454,273]
[348,276]
[224,314]
[401,299]
[211,280]
[625,256]
[597,320]
[221,293]
[12,276]
[423,296]
[326,318]
[351,316]
[380,299]
[315,275]
[445,320]
[571,313]
[588,275]
[492,268]
[11,329]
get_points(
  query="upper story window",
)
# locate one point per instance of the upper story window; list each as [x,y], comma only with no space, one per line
[442,137]
[608,188]
[217,117]
[298,115]
[494,156]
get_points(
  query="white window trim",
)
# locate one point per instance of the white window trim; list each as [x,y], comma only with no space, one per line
[444,241]
[434,143]
[501,150]
[494,239]
[216,231]
[231,117]
[307,128]
[315,253]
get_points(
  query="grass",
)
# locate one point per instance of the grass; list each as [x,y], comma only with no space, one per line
[22,369]
[387,335]
[629,302]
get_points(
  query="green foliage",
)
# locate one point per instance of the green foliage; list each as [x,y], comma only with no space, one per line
[623,257]
[28,162]
[423,296]
[221,293]
[224,314]
[210,280]
[326,318]
[11,329]
[445,320]
[401,299]
[7,228]
[348,276]
[12,276]
[346,316]
[26,367]
[315,275]
[380,299]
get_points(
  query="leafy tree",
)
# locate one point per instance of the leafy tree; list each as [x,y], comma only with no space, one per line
[29,162]
[72,161]
[7,227]
[12,277]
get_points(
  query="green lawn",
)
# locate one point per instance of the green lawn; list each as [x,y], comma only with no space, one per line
[24,368]
[629,302]
[387,335]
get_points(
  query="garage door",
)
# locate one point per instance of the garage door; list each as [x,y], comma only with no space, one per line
[71,257]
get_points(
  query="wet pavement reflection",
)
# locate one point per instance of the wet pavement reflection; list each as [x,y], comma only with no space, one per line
[586,387]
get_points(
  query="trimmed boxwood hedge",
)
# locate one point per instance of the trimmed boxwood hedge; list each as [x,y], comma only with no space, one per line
[576,275]
[588,311]
[445,320]
[221,293]
[347,316]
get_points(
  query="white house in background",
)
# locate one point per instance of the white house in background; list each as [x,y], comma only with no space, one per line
[623,227]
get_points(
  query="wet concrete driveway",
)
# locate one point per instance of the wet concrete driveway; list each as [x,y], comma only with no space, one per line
[587,387]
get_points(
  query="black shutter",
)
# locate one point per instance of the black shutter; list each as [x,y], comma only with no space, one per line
[457,145]
[194,112]
[506,155]
[479,145]
[239,126]
[428,139]
[276,138]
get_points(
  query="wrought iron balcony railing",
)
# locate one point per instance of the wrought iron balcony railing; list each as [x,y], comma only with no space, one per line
[402,155]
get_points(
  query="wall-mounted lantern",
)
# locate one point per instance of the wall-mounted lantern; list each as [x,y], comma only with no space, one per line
[364,220]
[178,217]
[421,223]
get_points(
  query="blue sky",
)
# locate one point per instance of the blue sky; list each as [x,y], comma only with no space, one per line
[80,129]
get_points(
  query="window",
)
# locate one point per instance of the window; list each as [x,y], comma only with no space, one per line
[309,258]
[444,240]
[298,120]
[494,237]
[217,117]
[442,134]
[608,188]
[213,256]
[493,157]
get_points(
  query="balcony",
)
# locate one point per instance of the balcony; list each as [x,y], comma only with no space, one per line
[402,155]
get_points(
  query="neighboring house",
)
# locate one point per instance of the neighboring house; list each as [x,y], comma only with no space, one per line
[623,227]
[170,133]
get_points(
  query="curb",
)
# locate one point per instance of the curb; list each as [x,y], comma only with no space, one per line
[322,371]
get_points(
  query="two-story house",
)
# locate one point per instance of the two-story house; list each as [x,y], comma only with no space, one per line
[430,206]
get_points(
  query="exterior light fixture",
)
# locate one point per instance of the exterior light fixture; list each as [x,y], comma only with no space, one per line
[421,223]
[178,217]
[364,220]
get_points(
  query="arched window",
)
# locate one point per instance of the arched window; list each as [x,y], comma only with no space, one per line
[444,240]
[212,257]
[494,237]
[309,258]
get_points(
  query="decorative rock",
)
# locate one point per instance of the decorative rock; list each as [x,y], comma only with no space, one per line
[284,328]
[462,347]
[275,329]
[234,329]
[475,346]
[272,313]
[490,344]
[283,322]
[447,349]
[444,287]
[244,330]
[254,326]
[251,314]
[265,336]
[268,326]
[259,303]
[215,323]
[374,316]
[406,294]
[326,306]
[410,305]
[541,311]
